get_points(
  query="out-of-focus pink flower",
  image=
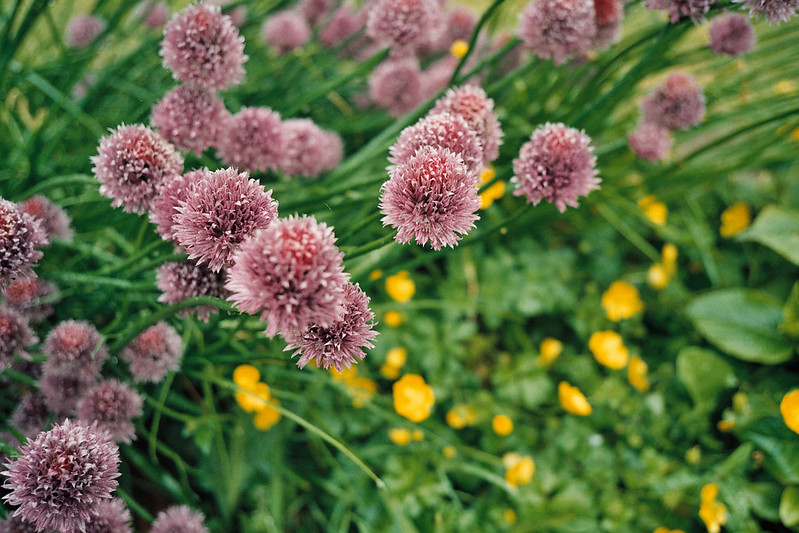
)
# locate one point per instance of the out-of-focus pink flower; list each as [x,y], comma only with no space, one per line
[558,29]
[252,140]
[680,9]
[111,405]
[180,281]
[54,220]
[165,205]
[403,24]
[191,118]
[286,30]
[396,85]
[732,35]
[345,23]
[676,104]
[179,519]
[308,149]
[650,141]
[82,30]
[154,353]
[22,294]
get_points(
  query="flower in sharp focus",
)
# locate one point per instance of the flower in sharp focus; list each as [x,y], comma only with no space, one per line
[221,211]
[112,517]
[712,512]
[431,198]
[74,346]
[477,109]
[54,221]
[20,235]
[292,273]
[112,406]
[131,165]
[572,400]
[286,30]
[413,398]
[203,47]
[609,349]
[558,29]
[636,374]
[789,409]
[621,301]
[179,519]
[190,117]
[774,11]
[164,206]
[650,141]
[519,469]
[676,104]
[61,475]
[15,336]
[732,35]
[396,85]
[403,24]
[308,149]
[735,219]
[153,353]
[82,30]
[182,280]
[557,164]
[680,9]
[252,139]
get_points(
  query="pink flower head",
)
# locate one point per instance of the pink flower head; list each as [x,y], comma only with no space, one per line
[557,164]
[252,139]
[23,295]
[608,22]
[436,76]
[82,30]
[677,104]
[154,353]
[219,212]
[15,336]
[345,23]
[558,29]
[179,519]
[203,47]
[54,220]
[461,23]
[396,85]
[153,14]
[62,391]
[112,517]
[74,346]
[774,11]
[309,150]
[165,205]
[132,163]
[20,235]
[191,118]
[31,415]
[16,524]
[680,9]
[61,476]
[111,405]
[443,130]
[286,30]
[314,10]
[403,24]
[292,273]
[180,281]
[431,197]
[650,141]
[732,35]
[477,109]
[341,343]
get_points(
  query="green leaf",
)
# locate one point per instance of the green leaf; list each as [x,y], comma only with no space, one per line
[780,446]
[705,375]
[777,228]
[743,323]
[789,506]
[790,324]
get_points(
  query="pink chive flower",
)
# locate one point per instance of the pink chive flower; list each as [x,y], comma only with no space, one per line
[341,343]
[112,517]
[179,519]
[680,9]
[252,140]
[557,164]
[309,150]
[31,415]
[180,281]
[396,85]
[436,77]
[203,47]
[345,23]
[54,221]
[477,109]
[190,118]
[731,35]
[62,391]
[314,10]
[74,346]
[292,273]
[402,24]
[154,353]
[23,295]
[82,30]
[650,141]
[286,31]
[132,163]
[112,406]
[20,235]
[61,475]
[677,104]
[219,212]
[558,29]
[15,524]
[608,22]
[774,11]
[15,336]
[431,197]
[443,130]
[165,205]
[153,14]
[461,23]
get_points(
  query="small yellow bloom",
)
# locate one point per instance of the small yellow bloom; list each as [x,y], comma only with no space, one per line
[389,372]
[361,390]
[662,529]
[735,219]
[502,425]
[713,513]
[726,425]
[789,408]
[246,375]
[399,436]
[393,319]
[460,416]
[494,192]
[400,286]
[636,374]
[396,357]
[459,48]
[253,397]
[346,375]
[795,134]
[519,469]
[709,492]
[655,210]
[658,276]
[509,516]
[609,349]
[267,416]
[572,400]
[621,301]
[449,451]
[488,173]
[785,88]
[550,350]
[669,255]
[413,398]
[375,274]
[417,434]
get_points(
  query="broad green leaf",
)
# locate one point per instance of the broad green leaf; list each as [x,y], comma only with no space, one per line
[790,325]
[743,323]
[780,446]
[777,228]
[789,506]
[704,374]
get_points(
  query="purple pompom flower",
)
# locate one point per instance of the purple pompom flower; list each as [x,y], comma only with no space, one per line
[111,517]
[314,10]
[557,164]
[286,30]
[31,415]
[345,23]
[461,23]
[396,85]
[61,475]
[154,353]
[219,212]
[62,391]
[443,130]
[23,294]
[732,35]
[341,343]
[180,281]
[252,140]
[190,118]
[436,76]
[676,104]
[774,11]
[309,150]
[650,141]
[608,15]
[82,30]
[403,24]
[165,205]
[132,163]
[54,220]
[558,29]
[112,405]
[203,47]
[15,336]
[153,14]
[431,197]
[16,524]
[74,346]
[20,235]
[179,519]
[477,109]
[680,9]
[292,273]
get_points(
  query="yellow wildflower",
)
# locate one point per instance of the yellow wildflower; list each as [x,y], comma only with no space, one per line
[789,408]
[636,374]
[662,529]
[713,513]
[621,301]
[459,48]
[572,400]
[735,219]
[655,210]
[267,416]
[519,469]
[399,436]
[658,276]
[393,319]
[413,398]
[449,451]
[361,390]
[726,425]
[509,516]
[246,375]
[460,416]
[346,375]
[389,372]
[609,349]
[550,350]
[502,425]
[795,134]
[396,357]
[417,434]
[375,274]
[494,192]
[669,255]
[400,286]
[253,397]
